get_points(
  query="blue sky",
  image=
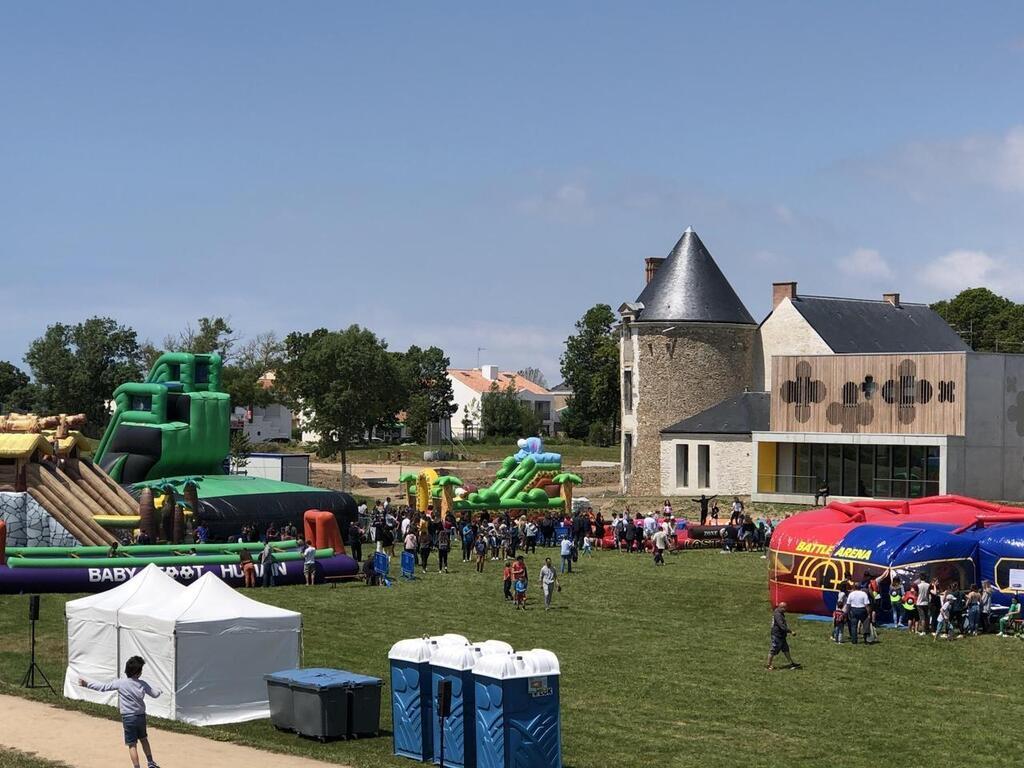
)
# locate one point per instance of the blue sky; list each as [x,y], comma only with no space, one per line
[471,175]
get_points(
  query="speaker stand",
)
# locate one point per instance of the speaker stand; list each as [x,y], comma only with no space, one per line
[29,680]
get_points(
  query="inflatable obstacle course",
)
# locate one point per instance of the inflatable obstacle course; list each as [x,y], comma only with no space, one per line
[530,479]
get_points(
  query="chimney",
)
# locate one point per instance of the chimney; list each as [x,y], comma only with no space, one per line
[892,298]
[651,266]
[782,291]
[489,372]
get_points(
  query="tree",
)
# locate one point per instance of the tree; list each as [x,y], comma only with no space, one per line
[78,367]
[211,334]
[503,414]
[345,383]
[431,398]
[536,375]
[239,449]
[16,390]
[985,320]
[243,378]
[417,416]
[590,368]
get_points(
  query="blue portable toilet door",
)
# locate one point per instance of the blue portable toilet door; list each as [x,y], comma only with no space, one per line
[533,722]
[489,723]
[459,752]
[410,717]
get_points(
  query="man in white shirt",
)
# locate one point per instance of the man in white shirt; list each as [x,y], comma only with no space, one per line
[406,522]
[660,545]
[309,563]
[566,555]
[548,581]
[857,605]
[924,594]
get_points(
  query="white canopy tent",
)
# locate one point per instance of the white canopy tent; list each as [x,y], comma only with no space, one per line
[92,623]
[208,650]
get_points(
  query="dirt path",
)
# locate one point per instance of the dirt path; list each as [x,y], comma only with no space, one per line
[84,741]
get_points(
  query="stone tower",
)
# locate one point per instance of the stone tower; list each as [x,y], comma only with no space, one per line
[687,343]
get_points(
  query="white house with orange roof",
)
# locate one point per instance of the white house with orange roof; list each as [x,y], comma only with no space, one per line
[469,386]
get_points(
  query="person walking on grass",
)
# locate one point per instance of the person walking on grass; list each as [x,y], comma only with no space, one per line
[660,541]
[444,545]
[425,547]
[924,589]
[566,555]
[548,582]
[780,638]
[481,552]
[506,580]
[520,590]
[858,605]
[308,562]
[132,691]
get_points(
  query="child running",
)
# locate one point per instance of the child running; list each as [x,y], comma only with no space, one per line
[131,701]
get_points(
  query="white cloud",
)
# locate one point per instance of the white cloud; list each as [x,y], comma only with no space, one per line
[865,263]
[569,202]
[923,167]
[961,269]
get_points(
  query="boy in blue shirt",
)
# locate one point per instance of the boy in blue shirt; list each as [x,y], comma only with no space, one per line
[131,701]
[520,593]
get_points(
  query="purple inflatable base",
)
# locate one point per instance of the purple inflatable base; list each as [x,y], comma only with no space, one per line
[16,581]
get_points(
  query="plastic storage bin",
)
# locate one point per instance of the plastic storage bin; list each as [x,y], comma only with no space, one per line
[518,723]
[326,703]
[456,663]
[279,693]
[412,706]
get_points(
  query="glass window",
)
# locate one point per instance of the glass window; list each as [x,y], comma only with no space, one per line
[682,465]
[817,465]
[931,476]
[883,471]
[627,391]
[849,470]
[142,403]
[900,472]
[627,454]
[802,462]
[866,482]
[918,454]
[835,468]
[704,466]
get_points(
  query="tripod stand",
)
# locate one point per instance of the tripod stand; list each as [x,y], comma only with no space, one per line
[29,680]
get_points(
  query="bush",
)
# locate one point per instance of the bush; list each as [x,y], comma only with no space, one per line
[599,434]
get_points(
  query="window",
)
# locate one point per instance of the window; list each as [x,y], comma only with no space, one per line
[142,403]
[627,391]
[835,469]
[682,465]
[866,483]
[543,409]
[627,454]
[849,471]
[202,374]
[704,466]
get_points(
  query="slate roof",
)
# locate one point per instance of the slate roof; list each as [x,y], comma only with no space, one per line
[865,326]
[689,286]
[738,415]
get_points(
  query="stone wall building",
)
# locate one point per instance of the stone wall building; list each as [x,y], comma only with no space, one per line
[687,343]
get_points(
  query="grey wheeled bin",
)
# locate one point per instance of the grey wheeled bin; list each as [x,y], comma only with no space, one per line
[279,693]
[363,704]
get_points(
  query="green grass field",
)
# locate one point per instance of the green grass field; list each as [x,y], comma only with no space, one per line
[660,666]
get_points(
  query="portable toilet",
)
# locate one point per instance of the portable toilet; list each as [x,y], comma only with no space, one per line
[412,706]
[456,663]
[518,724]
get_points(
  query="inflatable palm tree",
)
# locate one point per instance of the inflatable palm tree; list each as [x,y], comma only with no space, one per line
[566,480]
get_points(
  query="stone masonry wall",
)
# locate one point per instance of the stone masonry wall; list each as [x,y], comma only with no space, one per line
[677,376]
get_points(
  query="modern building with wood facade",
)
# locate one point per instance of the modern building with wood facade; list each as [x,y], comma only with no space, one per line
[869,398]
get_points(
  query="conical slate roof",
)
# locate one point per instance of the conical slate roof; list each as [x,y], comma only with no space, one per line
[689,286]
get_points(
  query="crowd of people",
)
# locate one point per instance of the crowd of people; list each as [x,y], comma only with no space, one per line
[921,605]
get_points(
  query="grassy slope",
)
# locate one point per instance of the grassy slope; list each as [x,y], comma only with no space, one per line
[11,759]
[659,666]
